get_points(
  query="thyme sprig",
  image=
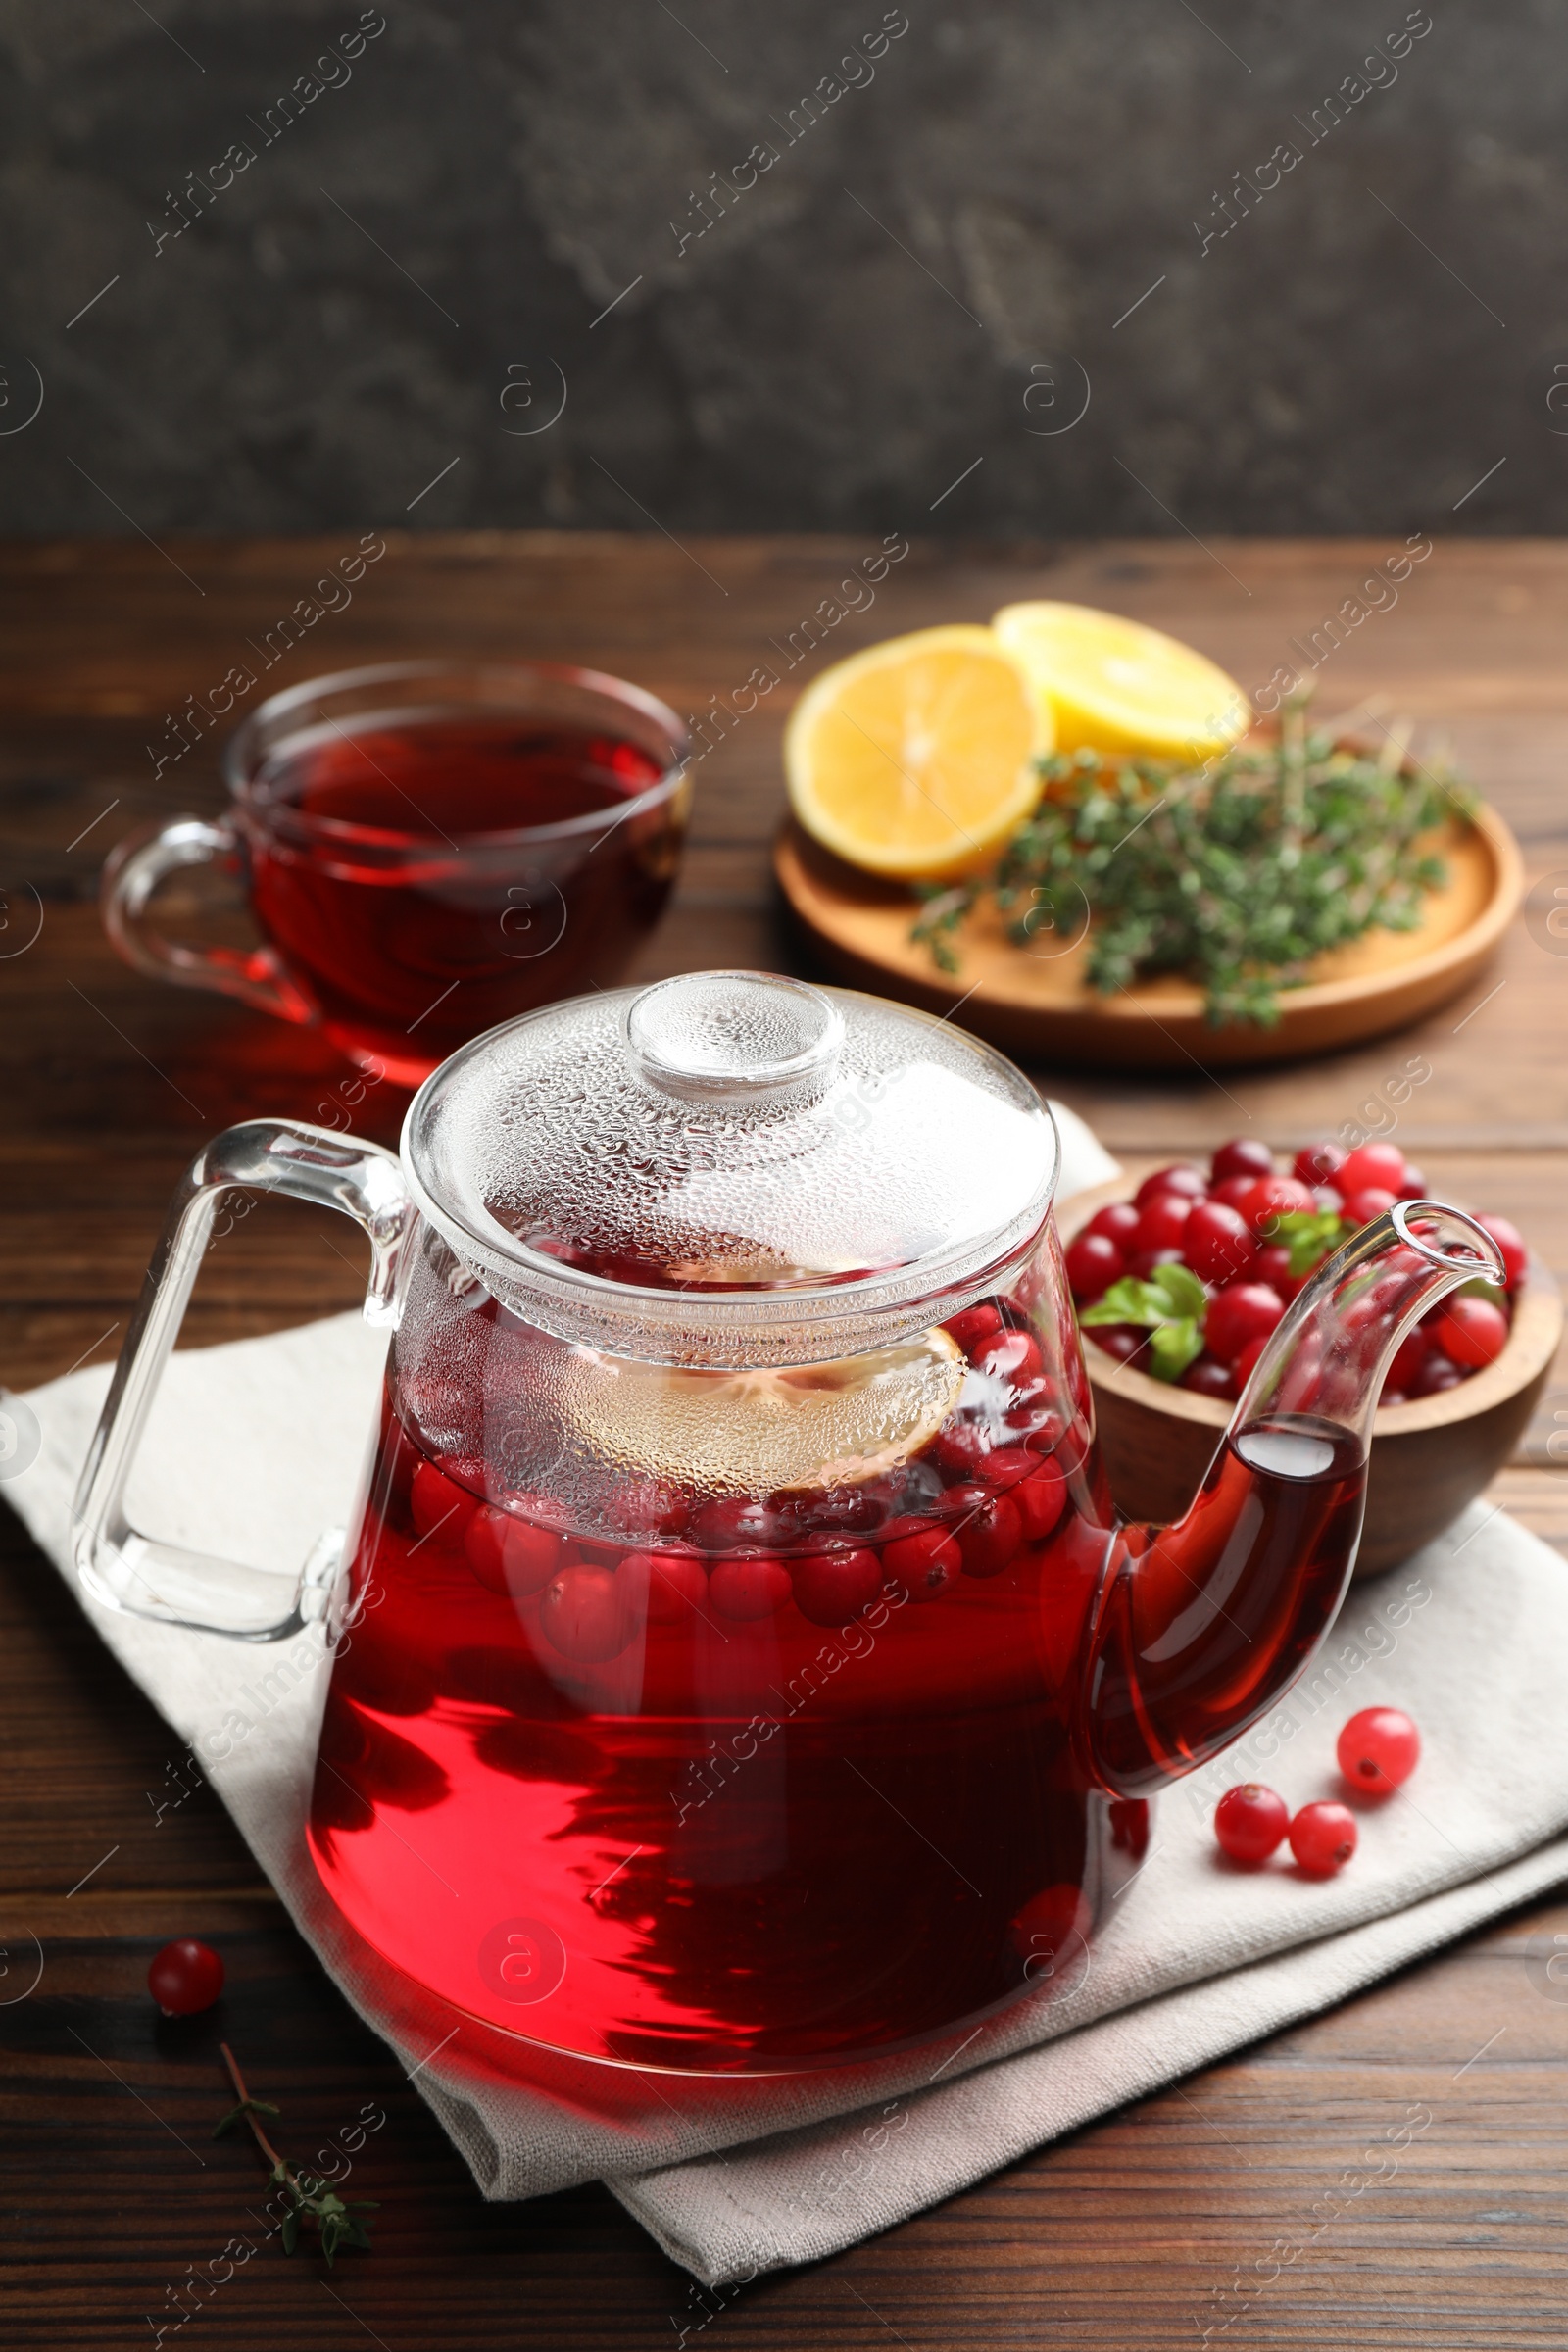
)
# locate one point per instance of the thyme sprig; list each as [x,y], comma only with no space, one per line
[1237,874]
[307,2196]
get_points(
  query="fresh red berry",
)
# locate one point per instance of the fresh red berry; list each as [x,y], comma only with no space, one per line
[1248,1361]
[1272,1197]
[1471,1331]
[1206,1378]
[1040,1499]
[1244,1156]
[1093,1263]
[1234,1191]
[1148,1262]
[1163,1222]
[185,1976]
[989,1529]
[1382,1164]
[438,1505]
[667,1586]
[1118,1221]
[743,1590]
[1012,1355]
[975,1324]
[1216,1243]
[510,1555]
[734,1523]
[926,1561]
[584,1615]
[1437,1374]
[1327,1196]
[1319,1163]
[1272,1265]
[1323,1839]
[1379,1749]
[1409,1359]
[1511,1244]
[1372,1200]
[831,1588]
[1123,1340]
[1249,1821]
[1241,1312]
[1181,1178]
[1414,1187]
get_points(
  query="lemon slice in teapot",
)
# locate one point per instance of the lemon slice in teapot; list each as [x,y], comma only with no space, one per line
[763,1432]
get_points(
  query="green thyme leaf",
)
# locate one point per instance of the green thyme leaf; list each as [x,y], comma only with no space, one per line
[1181,1288]
[1309,1234]
[1237,874]
[1128,1301]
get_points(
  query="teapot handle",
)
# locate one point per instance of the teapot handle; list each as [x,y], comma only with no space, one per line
[127,1570]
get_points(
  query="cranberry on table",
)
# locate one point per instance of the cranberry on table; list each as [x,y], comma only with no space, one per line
[1233,1190]
[1250,1822]
[1323,1838]
[1471,1331]
[1118,1221]
[1272,1197]
[1382,1164]
[746,1589]
[1162,1223]
[925,1563]
[1319,1163]
[1511,1244]
[185,1976]
[1216,1243]
[976,1323]
[1244,1156]
[1372,1200]
[1183,1178]
[1242,1312]
[1206,1378]
[1093,1263]
[1414,1187]
[1379,1749]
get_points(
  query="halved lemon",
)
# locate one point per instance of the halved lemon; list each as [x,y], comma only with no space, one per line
[765,1432]
[1116,686]
[916,758]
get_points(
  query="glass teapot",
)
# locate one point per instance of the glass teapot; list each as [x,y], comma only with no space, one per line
[738,1664]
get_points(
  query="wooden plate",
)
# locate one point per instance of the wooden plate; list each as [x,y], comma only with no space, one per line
[1040,1005]
[1429,1457]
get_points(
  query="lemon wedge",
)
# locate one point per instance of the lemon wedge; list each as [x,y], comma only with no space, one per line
[1116,686]
[765,1432]
[916,758]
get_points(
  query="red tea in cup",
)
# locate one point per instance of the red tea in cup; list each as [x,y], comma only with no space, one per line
[428,853]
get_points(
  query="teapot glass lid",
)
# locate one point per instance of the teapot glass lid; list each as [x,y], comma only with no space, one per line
[731,1166]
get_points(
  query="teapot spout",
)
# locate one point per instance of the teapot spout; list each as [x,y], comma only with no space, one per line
[1204,1625]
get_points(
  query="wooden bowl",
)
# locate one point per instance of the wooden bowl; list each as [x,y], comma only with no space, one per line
[1429,1457]
[1041,1005]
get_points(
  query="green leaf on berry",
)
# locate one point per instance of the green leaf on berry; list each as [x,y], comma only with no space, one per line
[1309,1234]
[1172,1347]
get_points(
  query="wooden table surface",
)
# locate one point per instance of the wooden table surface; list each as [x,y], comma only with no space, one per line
[1133,2234]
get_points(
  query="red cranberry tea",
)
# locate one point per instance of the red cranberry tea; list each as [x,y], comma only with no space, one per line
[382,871]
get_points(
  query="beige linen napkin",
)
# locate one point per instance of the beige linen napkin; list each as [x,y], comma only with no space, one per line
[256,1446]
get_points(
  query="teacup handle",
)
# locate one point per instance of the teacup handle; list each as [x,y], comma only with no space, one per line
[137,868]
[127,1570]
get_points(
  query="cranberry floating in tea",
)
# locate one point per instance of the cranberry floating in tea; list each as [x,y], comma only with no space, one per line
[736,1664]
[428,851]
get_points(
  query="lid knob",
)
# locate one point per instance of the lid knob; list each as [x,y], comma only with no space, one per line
[734,1037]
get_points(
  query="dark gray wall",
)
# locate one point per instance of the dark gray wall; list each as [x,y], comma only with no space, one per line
[851,334]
